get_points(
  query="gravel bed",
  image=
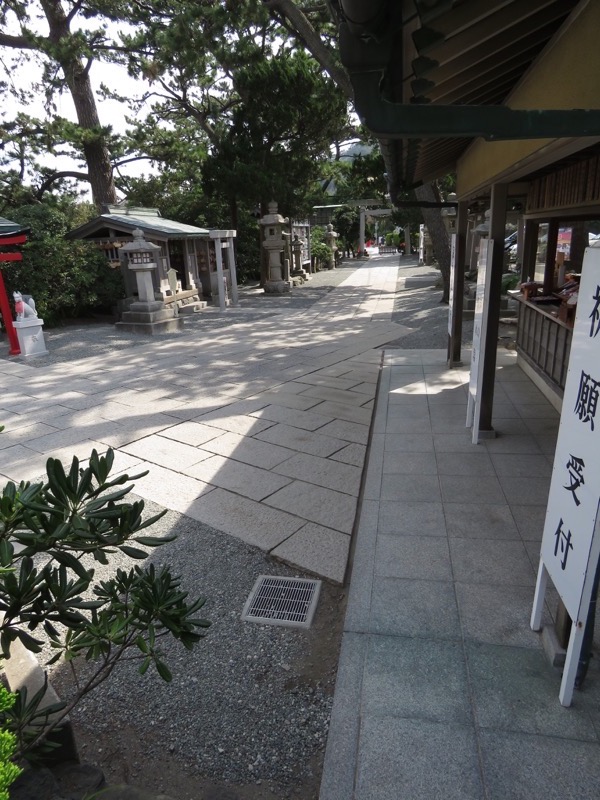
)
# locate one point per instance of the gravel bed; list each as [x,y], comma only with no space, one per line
[249,704]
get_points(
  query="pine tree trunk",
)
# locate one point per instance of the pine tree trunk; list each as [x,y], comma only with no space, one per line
[96,153]
[94,148]
[436,228]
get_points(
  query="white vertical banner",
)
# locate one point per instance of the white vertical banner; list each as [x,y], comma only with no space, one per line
[482,300]
[452,274]
[571,542]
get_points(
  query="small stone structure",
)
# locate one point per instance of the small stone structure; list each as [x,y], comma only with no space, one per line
[331,241]
[146,315]
[298,272]
[188,249]
[274,242]
[28,326]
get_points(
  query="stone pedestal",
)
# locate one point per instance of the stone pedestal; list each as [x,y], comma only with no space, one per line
[31,337]
[139,319]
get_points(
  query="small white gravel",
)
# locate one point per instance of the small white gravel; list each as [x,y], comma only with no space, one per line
[244,704]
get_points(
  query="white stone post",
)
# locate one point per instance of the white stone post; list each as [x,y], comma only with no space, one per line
[224,239]
[232,269]
[220,275]
[361,234]
[172,277]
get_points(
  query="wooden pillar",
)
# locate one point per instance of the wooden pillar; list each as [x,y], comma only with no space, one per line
[530,240]
[579,241]
[458,286]
[550,256]
[5,311]
[520,236]
[469,244]
[497,229]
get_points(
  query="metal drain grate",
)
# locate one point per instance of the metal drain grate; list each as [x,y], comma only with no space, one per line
[276,600]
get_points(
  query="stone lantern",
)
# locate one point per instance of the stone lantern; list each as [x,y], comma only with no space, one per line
[146,314]
[298,270]
[274,242]
[331,237]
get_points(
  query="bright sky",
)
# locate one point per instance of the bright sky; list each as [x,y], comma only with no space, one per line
[110,112]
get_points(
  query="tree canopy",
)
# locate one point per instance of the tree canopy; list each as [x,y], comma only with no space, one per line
[224,85]
[239,102]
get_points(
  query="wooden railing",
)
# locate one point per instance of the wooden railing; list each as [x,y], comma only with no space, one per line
[545,341]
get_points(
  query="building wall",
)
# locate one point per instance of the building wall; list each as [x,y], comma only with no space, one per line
[566,76]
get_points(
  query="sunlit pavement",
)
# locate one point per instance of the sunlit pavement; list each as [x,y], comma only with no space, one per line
[443,690]
[262,430]
[258,429]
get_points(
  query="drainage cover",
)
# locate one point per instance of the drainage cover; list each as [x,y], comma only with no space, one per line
[276,600]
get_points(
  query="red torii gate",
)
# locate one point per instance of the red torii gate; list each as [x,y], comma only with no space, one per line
[10,239]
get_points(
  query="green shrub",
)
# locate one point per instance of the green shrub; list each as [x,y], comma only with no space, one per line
[65,278]
[510,280]
[319,251]
[9,771]
[50,534]
[322,254]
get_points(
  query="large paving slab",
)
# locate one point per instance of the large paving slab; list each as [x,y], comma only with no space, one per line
[443,689]
[258,429]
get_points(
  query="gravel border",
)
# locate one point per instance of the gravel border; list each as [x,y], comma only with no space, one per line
[250,703]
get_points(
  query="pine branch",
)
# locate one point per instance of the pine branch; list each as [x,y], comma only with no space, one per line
[56,176]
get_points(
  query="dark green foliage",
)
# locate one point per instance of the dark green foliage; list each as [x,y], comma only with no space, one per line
[346,221]
[510,280]
[320,252]
[186,202]
[50,536]
[65,278]
[9,772]
[278,135]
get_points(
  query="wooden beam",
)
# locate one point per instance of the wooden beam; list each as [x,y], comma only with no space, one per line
[458,287]
[420,121]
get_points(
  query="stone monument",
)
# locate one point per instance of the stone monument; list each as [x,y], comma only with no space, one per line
[274,242]
[28,326]
[146,315]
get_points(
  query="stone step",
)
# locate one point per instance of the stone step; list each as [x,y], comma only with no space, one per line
[164,326]
[192,308]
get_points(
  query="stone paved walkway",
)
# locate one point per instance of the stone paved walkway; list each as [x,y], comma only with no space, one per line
[258,429]
[443,690]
